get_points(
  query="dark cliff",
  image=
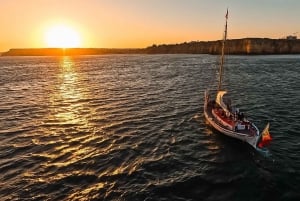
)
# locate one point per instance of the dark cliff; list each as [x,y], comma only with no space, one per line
[235,46]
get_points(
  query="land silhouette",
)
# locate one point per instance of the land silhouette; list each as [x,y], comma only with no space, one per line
[245,46]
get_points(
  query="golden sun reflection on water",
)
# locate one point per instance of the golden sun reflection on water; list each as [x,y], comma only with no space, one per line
[69,77]
[69,114]
[75,136]
[67,101]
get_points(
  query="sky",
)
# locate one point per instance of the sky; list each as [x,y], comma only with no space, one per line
[142,23]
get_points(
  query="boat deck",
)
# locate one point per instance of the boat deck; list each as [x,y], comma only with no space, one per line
[228,123]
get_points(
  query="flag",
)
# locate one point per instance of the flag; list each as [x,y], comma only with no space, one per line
[265,137]
[226,14]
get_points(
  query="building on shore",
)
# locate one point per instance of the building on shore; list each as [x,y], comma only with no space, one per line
[290,37]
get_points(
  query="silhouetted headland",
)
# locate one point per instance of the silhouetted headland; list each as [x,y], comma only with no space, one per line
[248,46]
[68,51]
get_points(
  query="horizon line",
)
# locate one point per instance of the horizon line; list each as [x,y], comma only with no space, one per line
[285,38]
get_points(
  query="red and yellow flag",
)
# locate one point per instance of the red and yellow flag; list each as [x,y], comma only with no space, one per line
[265,137]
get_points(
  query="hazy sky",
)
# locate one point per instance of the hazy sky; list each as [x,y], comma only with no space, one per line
[141,23]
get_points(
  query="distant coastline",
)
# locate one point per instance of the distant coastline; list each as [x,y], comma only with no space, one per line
[245,46]
[68,51]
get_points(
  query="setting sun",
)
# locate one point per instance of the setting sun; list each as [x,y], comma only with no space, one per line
[61,36]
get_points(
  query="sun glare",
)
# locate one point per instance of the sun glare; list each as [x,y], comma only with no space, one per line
[61,36]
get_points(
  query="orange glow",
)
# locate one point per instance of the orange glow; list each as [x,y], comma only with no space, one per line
[62,36]
[138,24]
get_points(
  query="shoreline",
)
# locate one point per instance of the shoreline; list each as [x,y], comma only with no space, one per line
[246,46]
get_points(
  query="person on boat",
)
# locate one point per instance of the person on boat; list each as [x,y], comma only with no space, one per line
[242,116]
[235,115]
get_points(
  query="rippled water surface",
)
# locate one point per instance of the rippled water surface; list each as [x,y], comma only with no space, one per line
[131,127]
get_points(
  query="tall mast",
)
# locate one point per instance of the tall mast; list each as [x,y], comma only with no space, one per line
[221,71]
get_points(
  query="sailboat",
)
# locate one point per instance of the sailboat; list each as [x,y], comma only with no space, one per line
[228,120]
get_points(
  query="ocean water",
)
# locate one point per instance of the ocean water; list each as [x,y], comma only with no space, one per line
[131,127]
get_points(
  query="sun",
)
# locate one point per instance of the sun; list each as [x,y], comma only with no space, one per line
[62,36]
